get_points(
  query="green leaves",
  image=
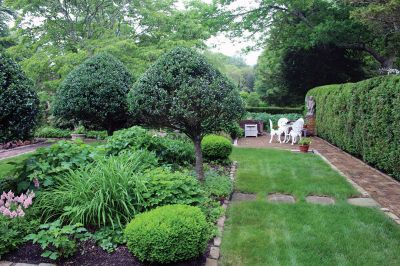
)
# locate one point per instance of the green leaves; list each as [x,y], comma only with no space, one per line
[362,118]
[58,241]
[168,234]
[94,94]
[19,103]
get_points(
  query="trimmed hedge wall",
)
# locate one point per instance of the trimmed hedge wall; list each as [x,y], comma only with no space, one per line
[275,110]
[363,119]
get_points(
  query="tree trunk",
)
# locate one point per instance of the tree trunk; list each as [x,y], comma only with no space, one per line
[199,159]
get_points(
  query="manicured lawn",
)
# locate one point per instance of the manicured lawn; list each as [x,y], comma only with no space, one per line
[263,233]
[264,171]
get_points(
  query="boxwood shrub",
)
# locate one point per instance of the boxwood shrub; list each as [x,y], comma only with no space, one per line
[363,119]
[168,234]
[216,147]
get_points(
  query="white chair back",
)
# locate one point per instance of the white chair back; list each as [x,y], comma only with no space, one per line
[298,125]
[271,126]
[282,122]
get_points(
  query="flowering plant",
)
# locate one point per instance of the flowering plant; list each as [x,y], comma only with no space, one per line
[14,206]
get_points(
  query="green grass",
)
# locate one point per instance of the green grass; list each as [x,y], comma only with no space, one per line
[262,233]
[6,168]
[264,171]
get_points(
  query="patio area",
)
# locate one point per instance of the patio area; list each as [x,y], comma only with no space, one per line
[381,187]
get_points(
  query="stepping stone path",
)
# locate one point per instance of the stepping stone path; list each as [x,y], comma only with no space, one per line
[364,202]
[238,196]
[320,200]
[276,197]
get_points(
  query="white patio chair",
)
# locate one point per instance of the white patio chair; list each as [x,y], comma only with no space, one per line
[283,128]
[297,129]
[272,131]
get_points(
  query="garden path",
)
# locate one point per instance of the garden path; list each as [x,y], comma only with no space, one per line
[383,188]
[4,154]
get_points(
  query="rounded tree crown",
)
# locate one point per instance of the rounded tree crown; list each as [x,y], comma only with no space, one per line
[19,103]
[94,93]
[182,90]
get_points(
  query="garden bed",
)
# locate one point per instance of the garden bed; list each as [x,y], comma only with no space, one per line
[89,254]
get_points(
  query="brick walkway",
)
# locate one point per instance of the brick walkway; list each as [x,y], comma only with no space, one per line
[381,187]
[4,154]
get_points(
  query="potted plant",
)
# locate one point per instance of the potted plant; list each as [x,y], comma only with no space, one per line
[304,144]
[78,133]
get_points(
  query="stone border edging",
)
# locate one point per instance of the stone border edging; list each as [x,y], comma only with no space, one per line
[214,255]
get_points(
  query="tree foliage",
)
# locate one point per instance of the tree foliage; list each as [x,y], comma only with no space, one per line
[184,92]
[19,103]
[304,24]
[299,70]
[94,94]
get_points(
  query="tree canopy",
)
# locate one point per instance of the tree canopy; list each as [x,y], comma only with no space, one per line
[182,91]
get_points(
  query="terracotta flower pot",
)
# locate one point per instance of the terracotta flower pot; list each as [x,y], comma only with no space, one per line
[304,148]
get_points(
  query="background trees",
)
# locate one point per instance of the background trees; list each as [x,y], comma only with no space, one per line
[94,94]
[184,92]
[363,35]
[19,103]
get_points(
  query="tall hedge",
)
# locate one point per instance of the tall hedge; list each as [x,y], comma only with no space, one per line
[363,119]
[95,94]
[19,103]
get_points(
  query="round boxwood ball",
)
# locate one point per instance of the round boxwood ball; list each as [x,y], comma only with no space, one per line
[95,93]
[168,234]
[216,147]
[19,103]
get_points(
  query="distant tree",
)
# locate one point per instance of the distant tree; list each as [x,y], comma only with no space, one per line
[19,103]
[184,92]
[299,70]
[5,15]
[254,100]
[94,94]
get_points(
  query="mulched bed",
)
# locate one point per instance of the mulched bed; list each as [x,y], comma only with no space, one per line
[89,254]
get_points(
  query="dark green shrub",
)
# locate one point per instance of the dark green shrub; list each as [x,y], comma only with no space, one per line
[19,103]
[219,186]
[234,130]
[216,147]
[52,132]
[96,134]
[363,119]
[95,93]
[274,118]
[164,187]
[276,110]
[106,193]
[13,231]
[168,149]
[168,234]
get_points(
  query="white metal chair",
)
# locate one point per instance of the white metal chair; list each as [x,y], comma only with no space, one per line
[272,131]
[283,128]
[297,129]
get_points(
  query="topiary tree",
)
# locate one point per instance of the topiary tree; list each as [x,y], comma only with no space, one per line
[94,94]
[181,90]
[19,103]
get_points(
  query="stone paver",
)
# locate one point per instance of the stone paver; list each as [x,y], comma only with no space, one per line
[238,196]
[276,197]
[384,189]
[214,253]
[211,262]
[5,263]
[320,200]
[364,202]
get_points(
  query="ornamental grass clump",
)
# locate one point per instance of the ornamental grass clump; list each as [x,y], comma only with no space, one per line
[106,193]
[168,234]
